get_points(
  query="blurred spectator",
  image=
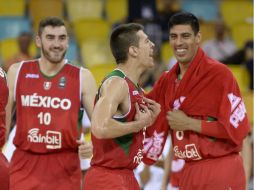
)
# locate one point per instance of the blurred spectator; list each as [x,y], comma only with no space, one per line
[145,13]
[24,41]
[165,10]
[141,10]
[248,49]
[243,56]
[221,46]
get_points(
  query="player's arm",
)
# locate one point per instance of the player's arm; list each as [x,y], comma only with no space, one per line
[113,92]
[178,120]
[11,77]
[89,90]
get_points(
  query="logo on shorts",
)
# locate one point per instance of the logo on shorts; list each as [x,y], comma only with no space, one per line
[52,139]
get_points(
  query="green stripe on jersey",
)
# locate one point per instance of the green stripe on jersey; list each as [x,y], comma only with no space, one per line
[124,141]
[80,117]
[116,73]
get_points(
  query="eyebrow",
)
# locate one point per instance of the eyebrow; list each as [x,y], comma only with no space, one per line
[53,35]
[184,33]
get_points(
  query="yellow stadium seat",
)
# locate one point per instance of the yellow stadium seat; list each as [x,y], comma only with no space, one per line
[101,70]
[39,9]
[242,33]
[96,52]
[91,29]
[235,11]
[116,10]
[242,76]
[12,7]
[9,47]
[248,101]
[80,9]
[207,30]
[166,52]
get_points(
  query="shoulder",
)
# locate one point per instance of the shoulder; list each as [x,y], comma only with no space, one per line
[115,82]
[219,70]
[114,86]
[86,74]
[14,67]
[217,66]
[165,76]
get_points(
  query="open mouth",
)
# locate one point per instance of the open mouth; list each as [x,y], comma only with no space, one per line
[180,52]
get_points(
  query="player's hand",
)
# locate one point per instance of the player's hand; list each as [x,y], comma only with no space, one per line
[143,114]
[154,107]
[85,149]
[179,121]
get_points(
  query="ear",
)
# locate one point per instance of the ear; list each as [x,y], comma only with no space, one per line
[68,41]
[38,41]
[198,38]
[133,51]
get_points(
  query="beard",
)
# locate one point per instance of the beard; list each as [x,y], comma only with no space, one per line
[51,57]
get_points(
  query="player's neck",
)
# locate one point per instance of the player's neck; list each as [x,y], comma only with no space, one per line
[183,69]
[132,73]
[48,68]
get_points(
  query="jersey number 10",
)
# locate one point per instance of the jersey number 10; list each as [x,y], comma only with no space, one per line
[45,118]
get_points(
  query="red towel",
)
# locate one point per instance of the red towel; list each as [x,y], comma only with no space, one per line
[209,89]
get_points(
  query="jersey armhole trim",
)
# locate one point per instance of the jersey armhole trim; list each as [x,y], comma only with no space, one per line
[16,80]
[80,85]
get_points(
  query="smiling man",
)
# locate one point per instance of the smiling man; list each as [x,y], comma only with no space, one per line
[48,93]
[203,109]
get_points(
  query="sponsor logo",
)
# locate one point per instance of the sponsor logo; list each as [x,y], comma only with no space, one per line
[138,158]
[35,100]
[34,76]
[153,145]
[190,152]
[135,92]
[52,139]
[177,103]
[47,85]
[238,110]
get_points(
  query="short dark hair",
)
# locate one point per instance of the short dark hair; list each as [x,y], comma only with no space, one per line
[49,21]
[184,18]
[122,37]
